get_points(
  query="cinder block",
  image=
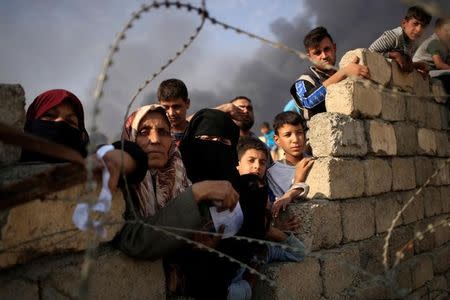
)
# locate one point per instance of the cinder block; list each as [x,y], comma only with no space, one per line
[438,288]
[399,244]
[12,110]
[381,138]
[433,119]
[443,169]
[370,254]
[353,98]
[432,201]
[442,143]
[425,240]
[426,141]
[440,259]
[416,110]
[112,275]
[445,117]
[403,174]
[358,219]
[386,209]
[329,178]
[422,270]
[373,289]
[334,134]
[437,88]
[320,223]
[445,198]
[377,176]
[442,227]
[406,135]
[306,283]
[402,80]
[50,231]
[415,210]
[393,107]
[424,169]
[339,269]
[18,289]
[379,68]
[421,85]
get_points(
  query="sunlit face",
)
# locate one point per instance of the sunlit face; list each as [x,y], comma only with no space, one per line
[264,130]
[324,54]
[253,162]
[291,138]
[176,111]
[154,138]
[63,112]
[413,28]
[247,109]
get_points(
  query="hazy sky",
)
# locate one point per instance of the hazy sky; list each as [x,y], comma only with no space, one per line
[62,43]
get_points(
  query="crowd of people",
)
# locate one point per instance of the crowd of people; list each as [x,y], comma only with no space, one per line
[191,172]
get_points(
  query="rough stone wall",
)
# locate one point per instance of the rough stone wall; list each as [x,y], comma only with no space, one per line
[374,150]
[12,99]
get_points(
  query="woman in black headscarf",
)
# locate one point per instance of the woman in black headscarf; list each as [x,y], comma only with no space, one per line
[208,149]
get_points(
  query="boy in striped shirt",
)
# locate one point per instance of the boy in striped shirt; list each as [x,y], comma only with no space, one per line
[399,43]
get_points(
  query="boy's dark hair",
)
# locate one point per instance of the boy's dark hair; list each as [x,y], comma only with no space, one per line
[247,143]
[288,117]
[441,22]
[172,89]
[240,97]
[419,14]
[265,125]
[315,36]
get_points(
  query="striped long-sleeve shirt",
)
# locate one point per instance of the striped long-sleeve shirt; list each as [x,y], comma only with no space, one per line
[393,40]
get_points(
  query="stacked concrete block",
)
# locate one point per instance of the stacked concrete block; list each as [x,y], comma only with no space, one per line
[45,226]
[381,138]
[12,110]
[353,98]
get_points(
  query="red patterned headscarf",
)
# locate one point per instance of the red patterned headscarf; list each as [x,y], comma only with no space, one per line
[170,181]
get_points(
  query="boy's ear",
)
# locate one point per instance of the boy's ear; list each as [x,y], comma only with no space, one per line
[275,138]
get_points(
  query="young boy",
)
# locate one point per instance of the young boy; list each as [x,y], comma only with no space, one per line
[434,51]
[268,137]
[399,43]
[310,89]
[253,159]
[173,96]
[286,178]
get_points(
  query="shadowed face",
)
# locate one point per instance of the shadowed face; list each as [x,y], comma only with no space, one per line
[247,108]
[413,28]
[154,138]
[176,111]
[253,162]
[291,138]
[63,112]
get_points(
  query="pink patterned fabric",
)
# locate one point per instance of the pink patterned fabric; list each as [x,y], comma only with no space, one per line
[159,186]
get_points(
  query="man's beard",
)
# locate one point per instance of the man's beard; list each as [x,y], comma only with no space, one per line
[246,125]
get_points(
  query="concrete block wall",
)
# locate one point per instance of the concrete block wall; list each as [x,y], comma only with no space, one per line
[374,151]
[12,111]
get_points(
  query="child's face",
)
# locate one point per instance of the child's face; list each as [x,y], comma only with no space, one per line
[253,162]
[291,138]
[444,33]
[264,130]
[413,28]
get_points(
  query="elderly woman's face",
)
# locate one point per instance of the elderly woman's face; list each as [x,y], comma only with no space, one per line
[154,138]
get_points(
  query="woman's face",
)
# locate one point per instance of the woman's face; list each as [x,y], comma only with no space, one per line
[154,138]
[63,112]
